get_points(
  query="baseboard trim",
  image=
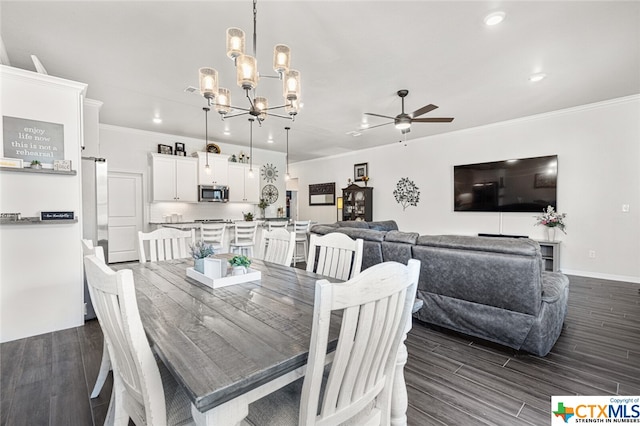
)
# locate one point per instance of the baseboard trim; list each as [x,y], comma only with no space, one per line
[623,278]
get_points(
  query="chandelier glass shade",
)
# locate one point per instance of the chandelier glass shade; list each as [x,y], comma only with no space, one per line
[247,77]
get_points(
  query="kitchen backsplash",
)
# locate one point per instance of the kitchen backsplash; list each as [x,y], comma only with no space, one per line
[193,211]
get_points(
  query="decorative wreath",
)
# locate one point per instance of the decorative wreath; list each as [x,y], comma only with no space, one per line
[270,193]
[269,172]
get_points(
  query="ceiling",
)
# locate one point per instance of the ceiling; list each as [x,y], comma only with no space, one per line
[138,57]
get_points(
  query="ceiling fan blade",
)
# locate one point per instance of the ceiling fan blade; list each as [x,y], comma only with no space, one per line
[378,115]
[433,120]
[425,109]
[373,127]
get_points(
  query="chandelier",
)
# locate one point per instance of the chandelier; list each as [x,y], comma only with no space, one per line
[247,77]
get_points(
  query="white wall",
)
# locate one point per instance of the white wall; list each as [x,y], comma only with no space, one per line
[598,148]
[127,150]
[41,285]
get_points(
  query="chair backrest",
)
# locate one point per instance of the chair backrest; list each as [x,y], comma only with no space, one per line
[246,231]
[335,255]
[376,307]
[212,233]
[274,224]
[277,246]
[301,227]
[114,300]
[89,249]
[165,244]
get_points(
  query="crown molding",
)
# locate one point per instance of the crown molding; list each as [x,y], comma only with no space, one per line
[43,79]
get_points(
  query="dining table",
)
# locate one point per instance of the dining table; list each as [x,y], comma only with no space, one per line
[233,345]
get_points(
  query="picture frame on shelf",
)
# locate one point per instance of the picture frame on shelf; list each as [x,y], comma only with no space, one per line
[14,163]
[360,171]
[165,149]
[62,165]
[180,148]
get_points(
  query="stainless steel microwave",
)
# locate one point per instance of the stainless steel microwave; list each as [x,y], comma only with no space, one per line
[213,193]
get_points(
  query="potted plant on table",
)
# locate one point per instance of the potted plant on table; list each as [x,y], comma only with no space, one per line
[35,164]
[239,263]
[248,217]
[551,220]
[199,251]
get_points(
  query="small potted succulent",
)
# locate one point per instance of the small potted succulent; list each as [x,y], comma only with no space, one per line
[239,264]
[248,217]
[35,164]
[199,251]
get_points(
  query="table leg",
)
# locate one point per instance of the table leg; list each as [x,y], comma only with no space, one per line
[231,413]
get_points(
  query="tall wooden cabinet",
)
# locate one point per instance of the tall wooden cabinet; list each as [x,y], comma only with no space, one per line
[357,203]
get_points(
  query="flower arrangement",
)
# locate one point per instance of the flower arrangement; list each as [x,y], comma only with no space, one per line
[200,250]
[240,260]
[552,219]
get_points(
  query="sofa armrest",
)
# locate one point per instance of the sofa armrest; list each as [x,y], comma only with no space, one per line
[554,285]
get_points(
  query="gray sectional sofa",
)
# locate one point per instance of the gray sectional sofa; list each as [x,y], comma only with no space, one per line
[492,288]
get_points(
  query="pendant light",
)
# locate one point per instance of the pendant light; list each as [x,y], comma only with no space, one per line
[286,176]
[207,169]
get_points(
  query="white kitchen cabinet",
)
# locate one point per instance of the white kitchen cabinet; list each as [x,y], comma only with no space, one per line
[174,178]
[242,187]
[219,166]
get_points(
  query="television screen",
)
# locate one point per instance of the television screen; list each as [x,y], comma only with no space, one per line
[523,185]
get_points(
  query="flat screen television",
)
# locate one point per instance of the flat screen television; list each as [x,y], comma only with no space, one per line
[522,185]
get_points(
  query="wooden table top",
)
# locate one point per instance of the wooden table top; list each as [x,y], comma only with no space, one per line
[221,343]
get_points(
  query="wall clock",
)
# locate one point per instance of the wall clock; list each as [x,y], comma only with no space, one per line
[269,172]
[270,193]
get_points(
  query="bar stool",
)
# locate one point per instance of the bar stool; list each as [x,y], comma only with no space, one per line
[301,228]
[245,238]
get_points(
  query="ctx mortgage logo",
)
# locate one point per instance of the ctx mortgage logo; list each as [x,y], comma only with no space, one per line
[614,410]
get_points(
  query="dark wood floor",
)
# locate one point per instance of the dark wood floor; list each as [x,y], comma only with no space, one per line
[451,379]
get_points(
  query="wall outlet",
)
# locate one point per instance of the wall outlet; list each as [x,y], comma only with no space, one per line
[592,254]
[625,208]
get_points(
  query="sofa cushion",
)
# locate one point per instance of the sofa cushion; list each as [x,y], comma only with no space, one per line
[323,229]
[401,237]
[365,234]
[384,225]
[353,224]
[521,246]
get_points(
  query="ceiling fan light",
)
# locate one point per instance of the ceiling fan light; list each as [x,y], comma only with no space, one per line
[208,82]
[223,102]
[292,85]
[402,123]
[235,42]
[281,58]
[261,105]
[247,72]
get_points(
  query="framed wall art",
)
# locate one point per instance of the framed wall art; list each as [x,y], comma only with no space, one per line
[165,149]
[360,171]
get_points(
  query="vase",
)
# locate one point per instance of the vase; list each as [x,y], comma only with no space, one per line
[238,270]
[198,265]
[551,233]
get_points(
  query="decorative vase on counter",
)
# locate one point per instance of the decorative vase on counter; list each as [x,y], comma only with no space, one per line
[551,233]
[198,265]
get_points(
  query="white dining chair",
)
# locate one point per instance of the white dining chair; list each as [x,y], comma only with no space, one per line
[244,238]
[165,244]
[357,386]
[213,234]
[276,224]
[277,246]
[88,249]
[143,389]
[301,228]
[335,255]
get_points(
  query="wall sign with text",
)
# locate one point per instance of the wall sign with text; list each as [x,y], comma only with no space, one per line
[32,140]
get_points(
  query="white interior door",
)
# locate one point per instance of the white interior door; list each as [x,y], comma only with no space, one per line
[125,215]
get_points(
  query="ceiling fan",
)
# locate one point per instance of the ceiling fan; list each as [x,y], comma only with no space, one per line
[403,120]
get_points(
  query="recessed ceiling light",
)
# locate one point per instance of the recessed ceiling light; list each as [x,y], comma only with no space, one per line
[269,140]
[537,77]
[226,133]
[364,125]
[494,18]
[157,120]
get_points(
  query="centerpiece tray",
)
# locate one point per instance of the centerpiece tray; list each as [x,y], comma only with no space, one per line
[251,275]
